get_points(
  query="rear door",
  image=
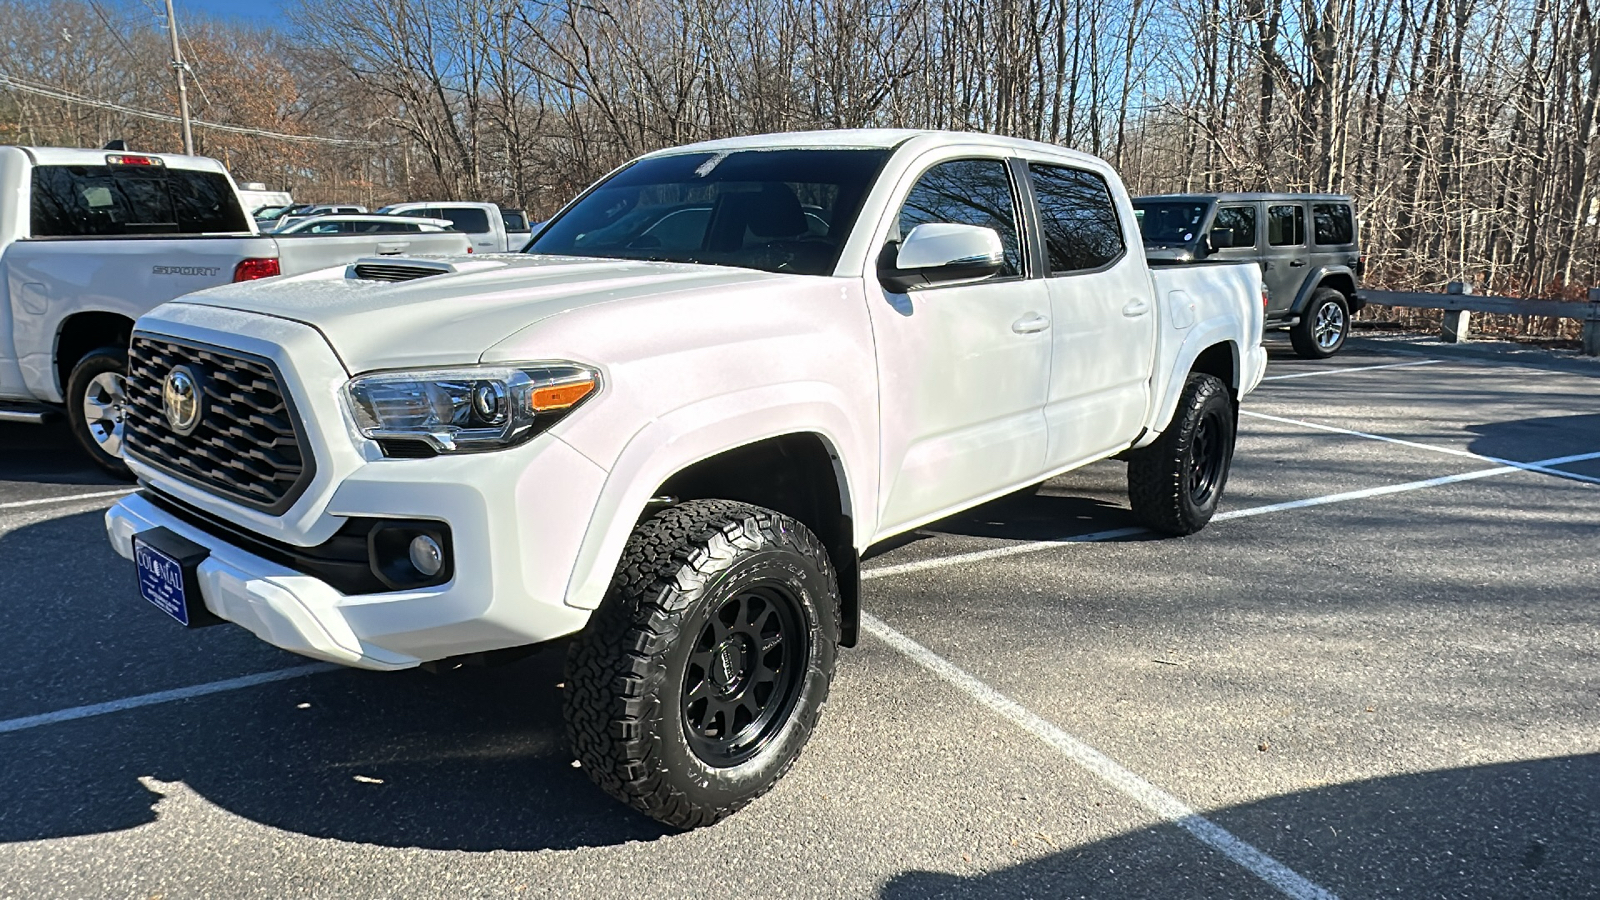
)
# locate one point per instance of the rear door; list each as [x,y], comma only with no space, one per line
[961,367]
[1102,328]
[1285,259]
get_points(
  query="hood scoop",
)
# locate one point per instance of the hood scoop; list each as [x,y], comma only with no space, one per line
[395,268]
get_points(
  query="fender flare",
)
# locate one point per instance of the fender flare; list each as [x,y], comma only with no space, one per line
[1314,280]
[697,432]
[1197,342]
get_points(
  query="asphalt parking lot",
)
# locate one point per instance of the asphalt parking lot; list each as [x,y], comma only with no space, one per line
[1376,674]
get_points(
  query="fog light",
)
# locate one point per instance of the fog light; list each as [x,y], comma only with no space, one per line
[426,555]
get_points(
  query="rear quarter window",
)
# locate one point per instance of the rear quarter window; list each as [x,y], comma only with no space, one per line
[1333,223]
[106,201]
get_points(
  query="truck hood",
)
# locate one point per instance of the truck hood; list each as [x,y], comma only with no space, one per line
[454,317]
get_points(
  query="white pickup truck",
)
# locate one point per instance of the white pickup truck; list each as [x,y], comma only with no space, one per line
[489,227]
[673,427]
[90,240]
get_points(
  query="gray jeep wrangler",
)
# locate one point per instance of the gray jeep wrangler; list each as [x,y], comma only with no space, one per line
[1310,273]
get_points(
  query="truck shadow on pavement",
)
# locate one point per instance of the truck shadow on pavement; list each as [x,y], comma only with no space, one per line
[47,454]
[1530,440]
[1518,829]
[469,760]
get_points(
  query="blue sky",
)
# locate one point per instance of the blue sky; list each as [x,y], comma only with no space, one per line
[264,12]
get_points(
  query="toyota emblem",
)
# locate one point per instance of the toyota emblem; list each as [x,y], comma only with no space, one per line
[180,397]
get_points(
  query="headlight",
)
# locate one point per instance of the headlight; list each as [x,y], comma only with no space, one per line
[468,409]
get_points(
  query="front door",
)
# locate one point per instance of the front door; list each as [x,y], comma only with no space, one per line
[961,368]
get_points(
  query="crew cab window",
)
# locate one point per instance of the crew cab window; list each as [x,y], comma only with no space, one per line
[1241,220]
[967,192]
[328,228]
[1080,225]
[775,210]
[100,201]
[471,221]
[1332,223]
[1286,226]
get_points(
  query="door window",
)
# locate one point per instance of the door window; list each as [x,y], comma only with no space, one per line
[1081,231]
[1286,226]
[1333,223]
[967,192]
[1241,220]
[471,221]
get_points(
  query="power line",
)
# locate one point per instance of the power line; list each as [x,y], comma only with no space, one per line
[7,81]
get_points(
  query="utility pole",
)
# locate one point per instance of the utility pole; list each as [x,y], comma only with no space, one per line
[180,67]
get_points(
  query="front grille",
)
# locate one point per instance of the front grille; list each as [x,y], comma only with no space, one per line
[395,271]
[246,447]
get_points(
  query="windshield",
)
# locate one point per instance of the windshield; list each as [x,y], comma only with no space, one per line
[775,210]
[1170,222]
[269,212]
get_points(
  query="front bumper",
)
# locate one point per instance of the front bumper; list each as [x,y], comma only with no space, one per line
[516,527]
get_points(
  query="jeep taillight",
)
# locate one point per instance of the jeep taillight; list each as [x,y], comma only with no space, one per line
[251,269]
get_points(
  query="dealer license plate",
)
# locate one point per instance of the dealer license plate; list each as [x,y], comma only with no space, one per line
[161,580]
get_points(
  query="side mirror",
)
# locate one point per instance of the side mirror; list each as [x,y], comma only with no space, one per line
[1221,239]
[940,252]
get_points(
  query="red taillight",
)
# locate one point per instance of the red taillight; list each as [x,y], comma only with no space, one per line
[122,160]
[469,248]
[251,269]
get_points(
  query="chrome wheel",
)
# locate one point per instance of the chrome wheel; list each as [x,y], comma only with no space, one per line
[103,406]
[1329,329]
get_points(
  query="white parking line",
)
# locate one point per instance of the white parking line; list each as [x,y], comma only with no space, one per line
[1104,767]
[183,693]
[1543,466]
[1342,370]
[68,498]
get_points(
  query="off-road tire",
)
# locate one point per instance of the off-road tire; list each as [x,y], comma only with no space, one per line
[627,703]
[106,361]
[1321,332]
[1175,483]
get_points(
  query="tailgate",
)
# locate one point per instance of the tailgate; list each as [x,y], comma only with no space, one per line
[128,274]
[301,253]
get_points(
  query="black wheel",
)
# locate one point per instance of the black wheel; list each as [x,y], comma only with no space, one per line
[95,407]
[1321,331]
[704,670]
[1176,482]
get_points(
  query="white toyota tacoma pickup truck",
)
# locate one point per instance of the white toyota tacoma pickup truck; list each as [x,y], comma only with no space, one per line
[90,240]
[672,428]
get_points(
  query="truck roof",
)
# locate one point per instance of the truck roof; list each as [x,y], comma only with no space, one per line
[1245,196]
[866,139]
[73,156]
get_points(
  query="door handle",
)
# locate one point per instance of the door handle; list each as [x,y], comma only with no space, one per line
[393,249]
[1136,307]
[1297,263]
[1030,323]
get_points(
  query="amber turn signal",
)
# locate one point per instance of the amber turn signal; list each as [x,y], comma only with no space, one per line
[560,396]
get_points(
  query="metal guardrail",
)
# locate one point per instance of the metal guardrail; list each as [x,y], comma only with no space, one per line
[1458,306]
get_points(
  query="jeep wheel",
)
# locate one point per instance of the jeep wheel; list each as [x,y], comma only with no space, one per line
[1321,331]
[704,670]
[95,407]
[1176,482]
